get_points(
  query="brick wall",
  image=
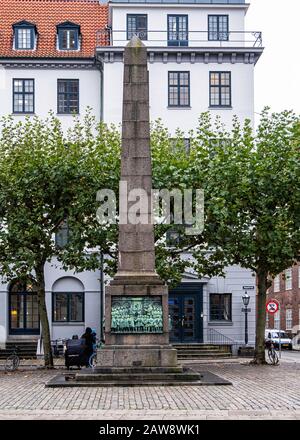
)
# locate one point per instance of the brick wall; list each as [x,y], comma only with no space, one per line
[288,299]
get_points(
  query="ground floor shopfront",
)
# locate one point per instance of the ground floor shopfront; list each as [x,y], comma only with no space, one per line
[201,310]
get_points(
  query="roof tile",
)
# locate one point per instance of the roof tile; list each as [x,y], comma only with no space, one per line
[46,15]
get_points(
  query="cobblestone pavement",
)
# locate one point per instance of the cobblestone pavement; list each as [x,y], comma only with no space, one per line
[257,393]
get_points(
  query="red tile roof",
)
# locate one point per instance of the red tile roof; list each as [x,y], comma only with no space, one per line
[46,15]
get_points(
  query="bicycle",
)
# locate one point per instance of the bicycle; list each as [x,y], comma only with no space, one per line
[93,357]
[13,361]
[273,356]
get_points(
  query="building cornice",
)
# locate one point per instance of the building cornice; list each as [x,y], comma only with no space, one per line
[31,63]
[192,55]
[244,6]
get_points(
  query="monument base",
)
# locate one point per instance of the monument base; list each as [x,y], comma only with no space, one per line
[137,356]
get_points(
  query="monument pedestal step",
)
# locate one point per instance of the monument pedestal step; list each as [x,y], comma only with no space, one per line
[135,356]
[91,379]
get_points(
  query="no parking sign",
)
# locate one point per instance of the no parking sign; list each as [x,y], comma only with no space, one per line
[272,306]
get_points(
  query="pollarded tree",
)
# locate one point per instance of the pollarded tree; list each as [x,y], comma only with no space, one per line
[252,198]
[48,178]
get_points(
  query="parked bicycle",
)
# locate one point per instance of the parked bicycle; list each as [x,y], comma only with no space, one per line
[13,361]
[272,355]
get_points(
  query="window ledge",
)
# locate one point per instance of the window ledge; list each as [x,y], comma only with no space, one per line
[220,323]
[68,324]
[23,114]
[220,107]
[185,107]
[67,114]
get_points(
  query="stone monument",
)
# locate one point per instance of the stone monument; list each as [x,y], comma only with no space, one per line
[136,350]
[136,301]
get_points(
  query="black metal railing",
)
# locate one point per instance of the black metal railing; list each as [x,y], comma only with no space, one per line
[161,38]
[216,338]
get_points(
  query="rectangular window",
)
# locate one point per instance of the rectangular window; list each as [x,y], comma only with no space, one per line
[220,89]
[277,283]
[68,39]
[68,96]
[24,38]
[23,95]
[218,27]
[180,144]
[137,25]
[220,307]
[178,30]
[288,319]
[179,89]
[288,279]
[277,320]
[62,235]
[68,307]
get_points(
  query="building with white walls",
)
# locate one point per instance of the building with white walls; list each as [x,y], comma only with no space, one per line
[197,49]
[66,55]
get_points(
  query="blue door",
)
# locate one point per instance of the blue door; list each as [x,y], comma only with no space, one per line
[185,310]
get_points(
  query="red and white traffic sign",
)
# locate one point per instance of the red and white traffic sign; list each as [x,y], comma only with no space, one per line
[272,306]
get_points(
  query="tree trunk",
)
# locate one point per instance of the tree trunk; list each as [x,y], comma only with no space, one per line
[259,356]
[43,316]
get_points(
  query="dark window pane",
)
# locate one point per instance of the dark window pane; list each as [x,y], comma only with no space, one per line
[60,307]
[137,25]
[218,27]
[68,307]
[76,307]
[24,38]
[220,89]
[177,30]
[68,96]
[23,96]
[220,307]
[68,39]
[179,89]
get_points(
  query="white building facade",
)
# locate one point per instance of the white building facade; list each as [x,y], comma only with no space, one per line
[200,58]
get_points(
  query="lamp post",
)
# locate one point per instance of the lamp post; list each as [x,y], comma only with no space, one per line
[246,300]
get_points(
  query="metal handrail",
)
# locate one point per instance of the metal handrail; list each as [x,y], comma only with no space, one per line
[109,37]
[217,338]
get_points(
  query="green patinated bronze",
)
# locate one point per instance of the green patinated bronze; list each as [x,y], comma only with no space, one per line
[132,314]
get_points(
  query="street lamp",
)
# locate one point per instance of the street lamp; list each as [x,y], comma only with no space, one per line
[246,300]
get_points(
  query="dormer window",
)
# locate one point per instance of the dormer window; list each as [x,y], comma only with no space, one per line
[68,36]
[24,35]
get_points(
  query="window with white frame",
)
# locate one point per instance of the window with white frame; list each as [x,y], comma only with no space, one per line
[277,320]
[288,278]
[24,35]
[277,283]
[288,319]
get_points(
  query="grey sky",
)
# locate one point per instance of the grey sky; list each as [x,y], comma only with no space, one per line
[277,73]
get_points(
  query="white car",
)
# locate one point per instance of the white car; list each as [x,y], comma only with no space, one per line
[272,335]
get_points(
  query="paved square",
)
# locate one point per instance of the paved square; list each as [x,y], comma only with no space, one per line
[257,393]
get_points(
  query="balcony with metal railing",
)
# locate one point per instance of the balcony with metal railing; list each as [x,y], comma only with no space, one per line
[182,39]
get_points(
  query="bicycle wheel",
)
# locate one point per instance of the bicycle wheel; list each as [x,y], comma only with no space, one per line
[93,360]
[273,356]
[12,363]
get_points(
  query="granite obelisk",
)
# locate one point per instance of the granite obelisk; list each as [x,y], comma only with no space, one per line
[136,301]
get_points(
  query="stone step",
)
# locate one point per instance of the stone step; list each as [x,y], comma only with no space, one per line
[201,347]
[26,349]
[141,378]
[203,378]
[201,351]
[207,356]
